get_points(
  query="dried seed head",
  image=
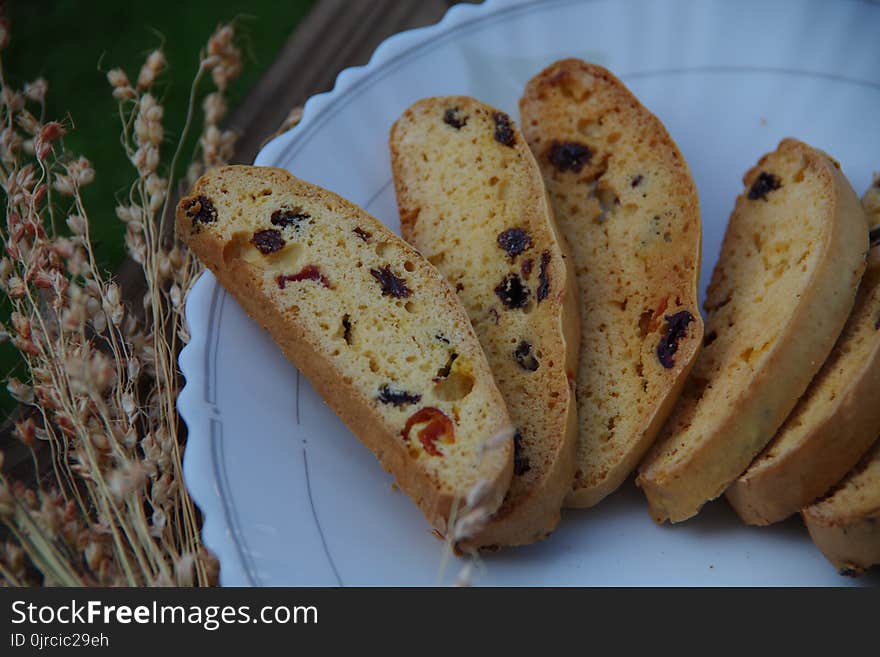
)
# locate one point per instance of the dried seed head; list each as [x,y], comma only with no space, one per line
[21,392]
[36,90]
[151,69]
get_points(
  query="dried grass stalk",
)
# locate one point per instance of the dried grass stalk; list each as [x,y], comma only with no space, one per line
[102,375]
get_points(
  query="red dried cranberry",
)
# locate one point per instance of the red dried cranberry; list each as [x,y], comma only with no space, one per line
[523,355]
[520,460]
[364,235]
[544,277]
[763,185]
[503,129]
[514,241]
[676,329]
[307,273]
[285,217]
[388,395]
[392,285]
[512,292]
[455,117]
[437,426]
[200,210]
[569,155]
[268,241]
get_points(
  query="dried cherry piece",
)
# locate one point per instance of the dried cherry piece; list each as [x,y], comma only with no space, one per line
[392,285]
[285,217]
[307,273]
[520,461]
[512,292]
[514,241]
[363,234]
[388,395]
[503,129]
[437,427]
[268,241]
[544,277]
[455,117]
[763,185]
[200,210]
[676,329]
[569,155]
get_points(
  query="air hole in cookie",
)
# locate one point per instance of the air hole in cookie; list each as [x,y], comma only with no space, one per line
[409,266]
[409,307]
[454,387]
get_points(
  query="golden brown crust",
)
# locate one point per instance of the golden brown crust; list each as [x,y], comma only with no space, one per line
[472,201]
[845,526]
[834,424]
[790,265]
[626,203]
[314,279]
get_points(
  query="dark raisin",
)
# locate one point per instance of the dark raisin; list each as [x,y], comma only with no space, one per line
[444,371]
[200,210]
[392,286]
[526,267]
[676,329]
[285,217]
[636,181]
[544,277]
[364,235]
[346,328]
[388,395]
[441,337]
[512,292]
[455,117]
[268,241]
[520,460]
[569,155]
[763,185]
[514,241]
[874,236]
[307,273]
[438,426]
[503,129]
[523,356]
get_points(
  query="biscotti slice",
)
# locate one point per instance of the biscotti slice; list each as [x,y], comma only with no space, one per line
[784,285]
[845,526]
[833,425]
[627,205]
[374,327]
[472,201]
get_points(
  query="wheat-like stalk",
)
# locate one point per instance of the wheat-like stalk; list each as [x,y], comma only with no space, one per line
[102,372]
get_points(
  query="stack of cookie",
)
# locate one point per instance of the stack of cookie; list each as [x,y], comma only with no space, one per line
[536,338]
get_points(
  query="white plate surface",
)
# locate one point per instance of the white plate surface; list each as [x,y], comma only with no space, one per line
[292,498]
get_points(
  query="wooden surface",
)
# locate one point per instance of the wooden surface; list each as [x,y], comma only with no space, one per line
[334,35]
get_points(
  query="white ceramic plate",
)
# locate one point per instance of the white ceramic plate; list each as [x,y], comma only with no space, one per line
[292,498]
